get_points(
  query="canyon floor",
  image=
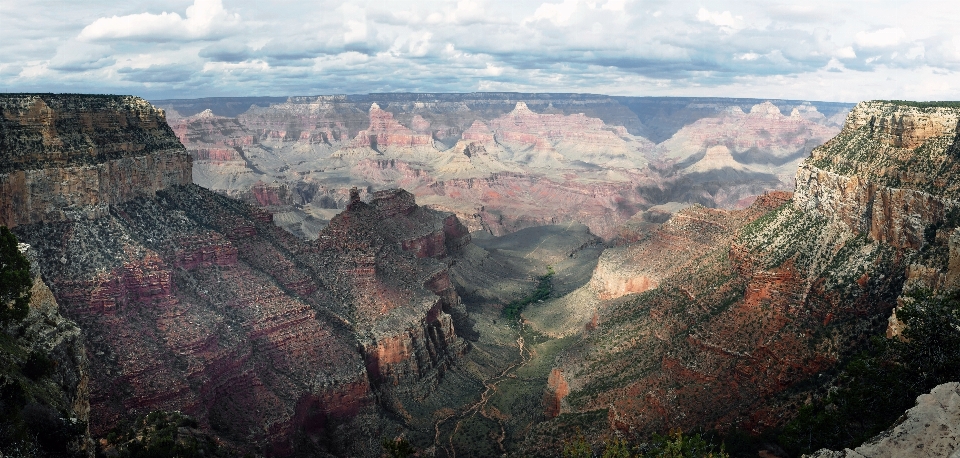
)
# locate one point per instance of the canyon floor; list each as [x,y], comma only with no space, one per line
[494,395]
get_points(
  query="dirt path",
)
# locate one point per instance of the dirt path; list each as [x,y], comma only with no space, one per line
[479,407]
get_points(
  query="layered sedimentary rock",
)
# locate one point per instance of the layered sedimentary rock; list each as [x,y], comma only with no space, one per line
[67,153]
[586,154]
[775,294]
[196,302]
[891,173]
[930,429]
[53,389]
[672,248]
[385,132]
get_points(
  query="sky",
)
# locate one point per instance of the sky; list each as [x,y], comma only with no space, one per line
[836,50]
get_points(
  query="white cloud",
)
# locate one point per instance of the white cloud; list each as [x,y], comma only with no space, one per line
[724,20]
[558,13]
[204,19]
[883,38]
[77,57]
[615,5]
[845,53]
[628,47]
[355,22]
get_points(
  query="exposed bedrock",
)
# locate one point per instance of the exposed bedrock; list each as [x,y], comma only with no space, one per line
[197,302]
[735,309]
[77,153]
[890,173]
[930,429]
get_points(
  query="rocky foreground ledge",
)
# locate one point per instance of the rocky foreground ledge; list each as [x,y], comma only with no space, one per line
[931,429]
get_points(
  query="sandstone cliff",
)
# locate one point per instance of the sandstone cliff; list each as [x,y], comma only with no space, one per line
[501,162]
[76,153]
[193,301]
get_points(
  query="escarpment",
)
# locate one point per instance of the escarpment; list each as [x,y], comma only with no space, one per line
[501,162]
[733,316]
[44,379]
[196,302]
[70,153]
[890,173]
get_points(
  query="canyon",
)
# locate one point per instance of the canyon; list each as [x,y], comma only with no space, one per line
[500,161]
[315,275]
[196,302]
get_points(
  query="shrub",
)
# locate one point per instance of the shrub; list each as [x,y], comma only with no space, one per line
[15,281]
[874,387]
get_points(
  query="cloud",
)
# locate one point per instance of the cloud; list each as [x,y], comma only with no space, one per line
[227,52]
[717,47]
[724,20]
[171,73]
[883,38]
[80,57]
[205,19]
[558,13]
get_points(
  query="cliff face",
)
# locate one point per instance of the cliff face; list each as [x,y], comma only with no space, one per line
[197,302]
[930,429]
[63,153]
[891,173]
[735,308]
[44,380]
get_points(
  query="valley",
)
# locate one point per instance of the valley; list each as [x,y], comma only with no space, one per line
[486,274]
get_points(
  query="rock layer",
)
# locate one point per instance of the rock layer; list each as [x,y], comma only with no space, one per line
[197,302]
[75,153]
[584,155]
[931,429]
[770,298]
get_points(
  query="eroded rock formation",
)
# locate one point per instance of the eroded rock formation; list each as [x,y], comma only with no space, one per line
[734,308]
[193,301]
[501,162]
[930,429]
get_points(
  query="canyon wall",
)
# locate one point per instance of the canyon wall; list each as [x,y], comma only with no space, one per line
[891,173]
[716,318]
[196,302]
[44,379]
[67,153]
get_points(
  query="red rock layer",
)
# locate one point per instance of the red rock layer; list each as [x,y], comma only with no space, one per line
[748,313]
[197,302]
[524,126]
[385,132]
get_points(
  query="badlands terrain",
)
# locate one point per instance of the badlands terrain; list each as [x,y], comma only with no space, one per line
[479,274]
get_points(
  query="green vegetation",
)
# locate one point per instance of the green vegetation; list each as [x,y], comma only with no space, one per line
[673,445]
[33,429]
[31,421]
[931,104]
[398,448]
[875,387]
[513,310]
[159,435]
[15,281]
